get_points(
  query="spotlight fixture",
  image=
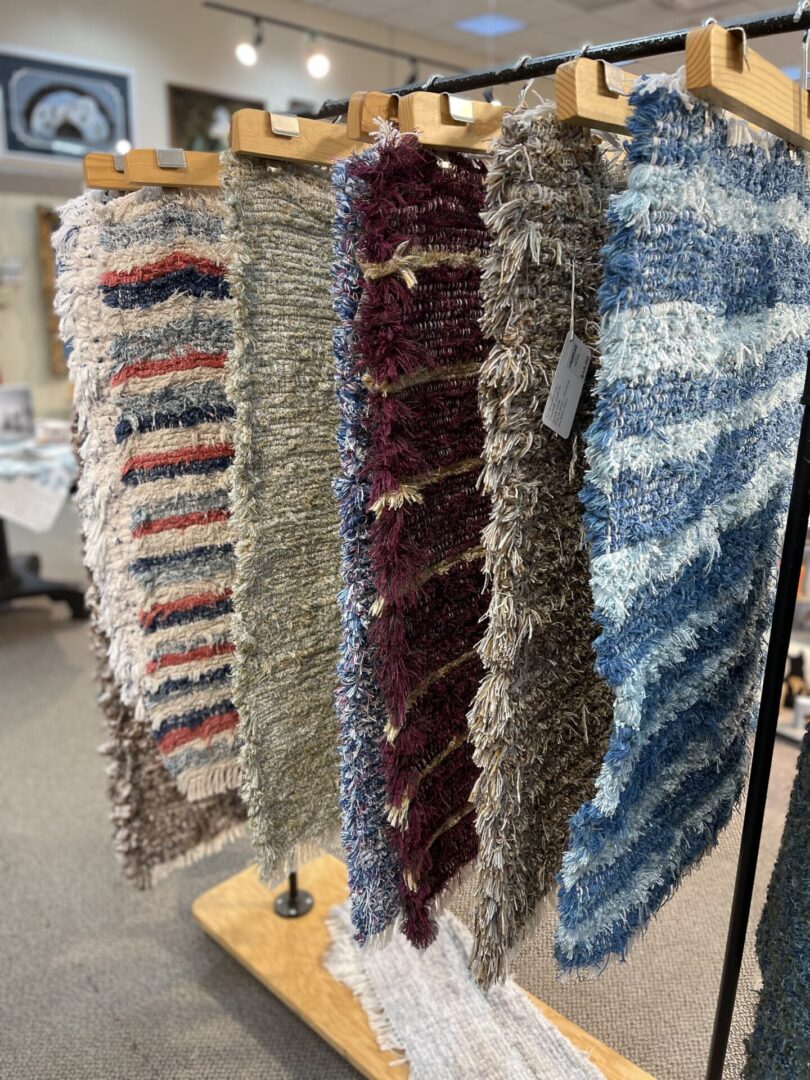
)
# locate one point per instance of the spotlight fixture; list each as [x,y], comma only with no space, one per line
[247,52]
[318,65]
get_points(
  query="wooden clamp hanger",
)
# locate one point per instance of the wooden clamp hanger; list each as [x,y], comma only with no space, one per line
[290,138]
[172,168]
[722,69]
[366,108]
[446,122]
[106,172]
[594,94]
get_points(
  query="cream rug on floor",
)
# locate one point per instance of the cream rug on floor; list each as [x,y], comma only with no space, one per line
[425,1004]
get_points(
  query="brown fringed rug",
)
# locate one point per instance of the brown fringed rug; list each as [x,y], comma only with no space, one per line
[420,240]
[541,717]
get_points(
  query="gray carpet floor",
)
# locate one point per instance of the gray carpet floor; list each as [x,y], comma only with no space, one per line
[101,982]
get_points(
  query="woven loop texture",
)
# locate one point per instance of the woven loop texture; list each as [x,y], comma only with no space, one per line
[690,454]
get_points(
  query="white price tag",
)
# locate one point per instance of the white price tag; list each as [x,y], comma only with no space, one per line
[566,386]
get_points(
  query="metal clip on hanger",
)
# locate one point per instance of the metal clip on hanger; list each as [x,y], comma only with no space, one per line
[172,168]
[448,122]
[106,172]
[290,138]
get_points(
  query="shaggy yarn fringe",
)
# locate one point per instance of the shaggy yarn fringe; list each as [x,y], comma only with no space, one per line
[81,314]
[415,329]
[541,717]
[343,963]
[373,869]
[155,828]
[690,459]
[286,624]
[195,854]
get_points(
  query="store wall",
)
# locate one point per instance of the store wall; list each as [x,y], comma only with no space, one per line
[160,42]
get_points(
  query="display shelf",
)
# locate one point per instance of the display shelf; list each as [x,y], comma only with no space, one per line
[286,956]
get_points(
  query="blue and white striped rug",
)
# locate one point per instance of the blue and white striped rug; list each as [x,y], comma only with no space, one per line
[705,331]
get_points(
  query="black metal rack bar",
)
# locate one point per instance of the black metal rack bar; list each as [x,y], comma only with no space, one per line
[775,22]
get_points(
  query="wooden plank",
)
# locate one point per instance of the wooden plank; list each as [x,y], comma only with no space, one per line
[286,956]
[758,91]
[318,142]
[365,109]
[583,96]
[100,172]
[429,115]
[201,171]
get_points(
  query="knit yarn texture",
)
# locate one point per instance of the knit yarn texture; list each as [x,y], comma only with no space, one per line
[541,718]
[373,868]
[155,827]
[166,316]
[419,349]
[427,1007]
[779,1046]
[690,455]
[287,622]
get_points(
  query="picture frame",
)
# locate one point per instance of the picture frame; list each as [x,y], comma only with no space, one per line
[200,119]
[58,107]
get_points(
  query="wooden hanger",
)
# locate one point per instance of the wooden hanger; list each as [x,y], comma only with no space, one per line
[106,171]
[445,122]
[722,69]
[172,168]
[290,138]
[366,108]
[593,93]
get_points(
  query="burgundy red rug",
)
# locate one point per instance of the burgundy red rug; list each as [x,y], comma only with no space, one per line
[419,348]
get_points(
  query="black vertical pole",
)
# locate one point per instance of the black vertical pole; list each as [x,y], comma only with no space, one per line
[293,902]
[781,624]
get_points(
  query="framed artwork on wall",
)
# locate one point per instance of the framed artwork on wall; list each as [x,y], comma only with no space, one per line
[53,107]
[200,119]
[47,220]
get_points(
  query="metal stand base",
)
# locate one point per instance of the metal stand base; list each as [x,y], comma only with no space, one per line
[293,902]
[19,578]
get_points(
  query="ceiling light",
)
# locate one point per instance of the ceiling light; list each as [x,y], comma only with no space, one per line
[123,146]
[491,25]
[247,52]
[318,65]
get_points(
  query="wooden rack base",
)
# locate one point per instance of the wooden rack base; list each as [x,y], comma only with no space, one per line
[286,956]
